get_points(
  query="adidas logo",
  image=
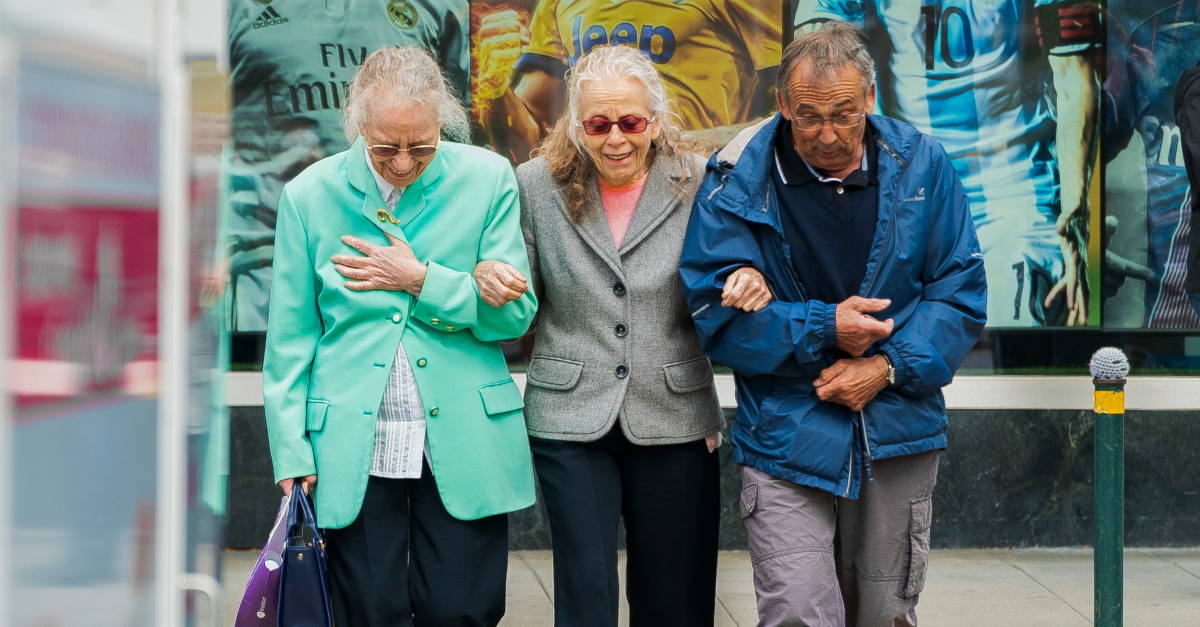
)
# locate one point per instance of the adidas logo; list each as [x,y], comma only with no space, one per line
[270,17]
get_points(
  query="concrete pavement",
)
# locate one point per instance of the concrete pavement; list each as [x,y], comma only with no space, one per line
[981,588]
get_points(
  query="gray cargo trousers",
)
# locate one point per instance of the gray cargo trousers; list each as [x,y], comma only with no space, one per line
[824,561]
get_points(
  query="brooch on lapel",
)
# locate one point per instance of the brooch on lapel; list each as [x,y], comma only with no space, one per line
[384,216]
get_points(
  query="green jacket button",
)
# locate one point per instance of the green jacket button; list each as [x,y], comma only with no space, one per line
[421,362]
[396,318]
[433,412]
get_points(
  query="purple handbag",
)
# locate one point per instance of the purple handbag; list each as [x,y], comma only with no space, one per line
[260,604]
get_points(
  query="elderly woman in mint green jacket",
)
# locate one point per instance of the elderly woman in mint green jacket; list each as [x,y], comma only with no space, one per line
[384,382]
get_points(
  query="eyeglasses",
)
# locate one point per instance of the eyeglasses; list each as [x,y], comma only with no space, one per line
[627,124]
[387,151]
[842,121]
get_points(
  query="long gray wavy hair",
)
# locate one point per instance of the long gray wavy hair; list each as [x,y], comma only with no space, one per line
[565,150]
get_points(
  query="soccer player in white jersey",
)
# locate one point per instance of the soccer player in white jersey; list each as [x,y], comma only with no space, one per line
[974,75]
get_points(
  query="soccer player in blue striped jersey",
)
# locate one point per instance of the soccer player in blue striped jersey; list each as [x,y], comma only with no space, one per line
[975,74]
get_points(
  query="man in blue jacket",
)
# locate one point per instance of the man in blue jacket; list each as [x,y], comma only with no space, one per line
[861,227]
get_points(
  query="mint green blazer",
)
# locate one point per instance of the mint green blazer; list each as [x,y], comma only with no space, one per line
[329,349]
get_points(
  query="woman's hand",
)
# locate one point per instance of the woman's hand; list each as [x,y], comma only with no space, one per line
[309,484]
[392,267]
[746,289]
[499,283]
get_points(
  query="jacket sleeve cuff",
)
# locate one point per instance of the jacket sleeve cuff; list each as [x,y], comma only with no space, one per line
[437,296]
[300,464]
[901,368]
[824,318]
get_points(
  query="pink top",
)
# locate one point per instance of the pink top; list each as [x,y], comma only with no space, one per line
[619,203]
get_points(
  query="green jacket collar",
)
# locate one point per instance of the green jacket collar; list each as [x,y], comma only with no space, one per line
[411,203]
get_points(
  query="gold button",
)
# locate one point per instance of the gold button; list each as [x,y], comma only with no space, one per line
[299,556]
[449,327]
[421,362]
[434,321]
[433,412]
[395,317]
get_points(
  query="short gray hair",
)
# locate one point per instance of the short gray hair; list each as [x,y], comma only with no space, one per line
[826,50]
[607,64]
[408,73]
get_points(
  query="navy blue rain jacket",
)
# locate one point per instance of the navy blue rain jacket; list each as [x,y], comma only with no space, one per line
[924,257]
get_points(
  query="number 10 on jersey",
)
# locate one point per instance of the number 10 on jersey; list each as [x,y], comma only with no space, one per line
[952,24]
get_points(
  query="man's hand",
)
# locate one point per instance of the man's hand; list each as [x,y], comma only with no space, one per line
[852,382]
[1117,268]
[392,267]
[746,289]
[309,484]
[857,331]
[499,283]
[1072,239]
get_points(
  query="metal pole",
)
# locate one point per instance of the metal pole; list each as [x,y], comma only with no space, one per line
[172,315]
[1109,404]
[8,293]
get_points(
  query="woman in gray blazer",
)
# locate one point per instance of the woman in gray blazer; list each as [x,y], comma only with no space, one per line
[620,403]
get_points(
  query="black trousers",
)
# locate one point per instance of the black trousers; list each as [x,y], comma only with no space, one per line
[669,497]
[406,561]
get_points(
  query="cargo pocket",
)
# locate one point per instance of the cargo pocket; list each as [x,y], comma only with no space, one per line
[689,376]
[918,537]
[749,499]
[553,373]
[315,418]
[501,397]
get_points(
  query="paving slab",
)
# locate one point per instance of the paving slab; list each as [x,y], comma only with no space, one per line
[978,588]
[981,588]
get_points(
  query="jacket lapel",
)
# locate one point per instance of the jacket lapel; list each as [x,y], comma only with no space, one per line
[593,228]
[658,199]
[374,209]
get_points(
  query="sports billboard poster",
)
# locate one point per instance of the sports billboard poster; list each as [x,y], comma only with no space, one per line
[718,58]
[1012,94]
[1147,197]
[1011,88]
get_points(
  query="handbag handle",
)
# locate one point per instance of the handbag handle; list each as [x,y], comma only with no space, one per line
[302,504]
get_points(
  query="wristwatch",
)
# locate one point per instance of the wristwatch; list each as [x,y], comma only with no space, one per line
[891,376]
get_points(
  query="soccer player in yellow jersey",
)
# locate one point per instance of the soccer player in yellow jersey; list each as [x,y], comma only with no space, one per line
[717,57]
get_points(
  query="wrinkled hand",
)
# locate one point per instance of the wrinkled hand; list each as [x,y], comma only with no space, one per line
[1072,239]
[746,289]
[852,382]
[857,331]
[499,283]
[1117,268]
[308,483]
[393,267]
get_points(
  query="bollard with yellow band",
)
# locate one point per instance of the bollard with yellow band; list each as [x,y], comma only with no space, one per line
[1109,368]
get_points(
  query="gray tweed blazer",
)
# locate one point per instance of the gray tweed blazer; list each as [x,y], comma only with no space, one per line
[613,336]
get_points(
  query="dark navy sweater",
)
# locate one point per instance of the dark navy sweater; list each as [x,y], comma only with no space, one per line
[829,226]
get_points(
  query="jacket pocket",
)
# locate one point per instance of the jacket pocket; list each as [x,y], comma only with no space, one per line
[501,397]
[553,373]
[918,537]
[749,499]
[688,376]
[315,418]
